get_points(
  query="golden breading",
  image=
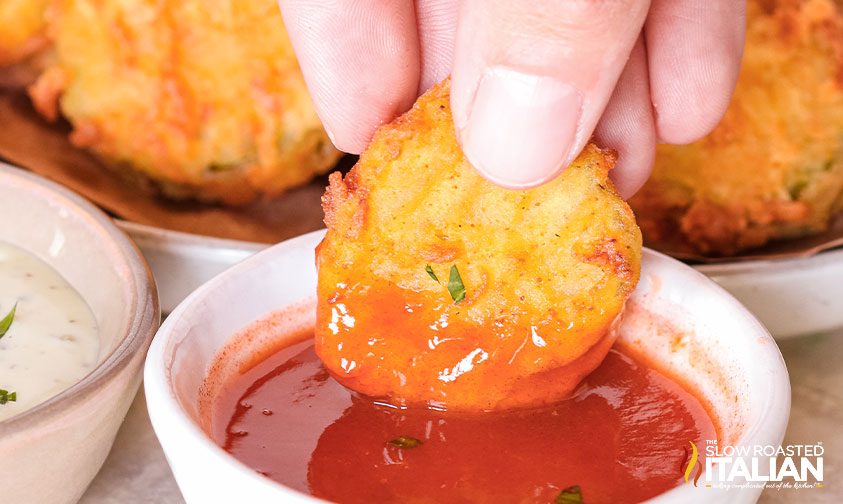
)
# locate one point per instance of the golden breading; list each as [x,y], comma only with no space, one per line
[22,26]
[545,272]
[204,96]
[773,167]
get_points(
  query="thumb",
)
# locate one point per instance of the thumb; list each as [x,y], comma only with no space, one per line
[531,80]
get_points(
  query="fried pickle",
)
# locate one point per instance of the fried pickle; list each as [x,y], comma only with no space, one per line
[773,167]
[22,27]
[204,97]
[438,288]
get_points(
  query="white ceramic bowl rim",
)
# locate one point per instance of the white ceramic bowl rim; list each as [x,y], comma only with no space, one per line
[157,376]
[770,288]
[161,397]
[144,310]
[768,265]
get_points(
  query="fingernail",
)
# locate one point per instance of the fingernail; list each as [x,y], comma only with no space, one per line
[521,127]
[330,133]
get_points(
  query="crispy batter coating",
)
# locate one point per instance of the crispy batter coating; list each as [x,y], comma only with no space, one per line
[22,26]
[204,96]
[546,272]
[773,167]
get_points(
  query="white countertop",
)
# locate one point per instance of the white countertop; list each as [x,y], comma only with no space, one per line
[137,473]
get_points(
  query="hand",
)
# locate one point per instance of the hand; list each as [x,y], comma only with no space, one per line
[531,80]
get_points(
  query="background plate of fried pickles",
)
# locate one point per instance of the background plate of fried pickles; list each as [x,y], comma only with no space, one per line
[191,122]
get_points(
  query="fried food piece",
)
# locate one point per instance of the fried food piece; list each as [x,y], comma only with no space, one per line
[22,26]
[545,272]
[204,96]
[773,167]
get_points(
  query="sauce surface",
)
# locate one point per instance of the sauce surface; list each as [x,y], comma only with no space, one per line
[53,340]
[414,349]
[623,437]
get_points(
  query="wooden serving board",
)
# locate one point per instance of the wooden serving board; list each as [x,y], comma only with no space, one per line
[29,141]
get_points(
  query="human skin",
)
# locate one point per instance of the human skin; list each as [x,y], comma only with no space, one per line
[532,82]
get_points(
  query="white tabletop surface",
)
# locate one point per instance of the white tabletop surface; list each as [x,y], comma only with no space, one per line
[137,473]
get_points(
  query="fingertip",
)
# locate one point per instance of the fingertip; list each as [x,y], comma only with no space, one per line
[360,63]
[628,127]
[492,169]
[521,129]
[636,151]
[694,50]
[633,169]
[685,117]
[349,143]
[437,22]
[531,80]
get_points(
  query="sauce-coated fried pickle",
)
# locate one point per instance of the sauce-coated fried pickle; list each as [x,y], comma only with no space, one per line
[437,287]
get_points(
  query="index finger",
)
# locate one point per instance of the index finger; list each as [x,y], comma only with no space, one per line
[360,61]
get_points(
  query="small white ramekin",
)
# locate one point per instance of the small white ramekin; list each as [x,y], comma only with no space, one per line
[684,323]
[792,297]
[51,452]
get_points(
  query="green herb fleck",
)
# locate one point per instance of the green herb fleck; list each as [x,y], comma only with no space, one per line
[796,189]
[6,323]
[455,285]
[404,442]
[571,495]
[6,396]
[431,273]
[221,167]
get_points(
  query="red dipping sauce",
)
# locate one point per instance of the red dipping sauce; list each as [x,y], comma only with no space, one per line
[624,437]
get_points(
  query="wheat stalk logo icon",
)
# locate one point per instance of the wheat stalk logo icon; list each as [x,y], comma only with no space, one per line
[693,463]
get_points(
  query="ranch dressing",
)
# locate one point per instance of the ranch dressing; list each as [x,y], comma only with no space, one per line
[52,342]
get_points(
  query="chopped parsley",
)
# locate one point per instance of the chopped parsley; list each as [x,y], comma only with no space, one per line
[571,495]
[404,442]
[6,323]
[6,396]
[431,273]
[455,285]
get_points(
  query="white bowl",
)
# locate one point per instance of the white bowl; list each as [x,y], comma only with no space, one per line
[726,354]
[51,452]
[181,262]
[793,297]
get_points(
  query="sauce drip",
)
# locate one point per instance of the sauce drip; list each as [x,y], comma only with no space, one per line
[623,437]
